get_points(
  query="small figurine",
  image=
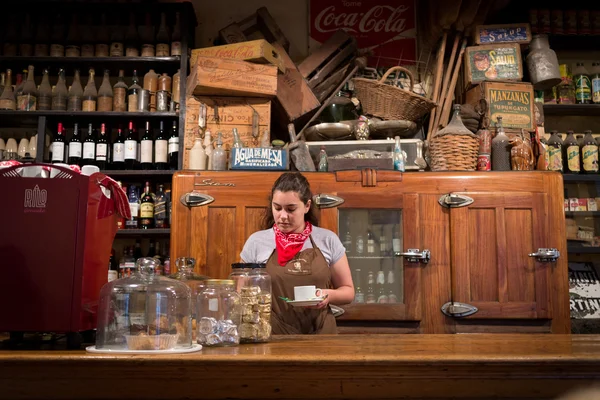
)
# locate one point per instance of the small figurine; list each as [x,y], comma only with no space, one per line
[521,154]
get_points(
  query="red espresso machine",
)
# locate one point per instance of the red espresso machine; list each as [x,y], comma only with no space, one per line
[55,245]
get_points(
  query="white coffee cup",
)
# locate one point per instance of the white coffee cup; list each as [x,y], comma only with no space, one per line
[305,292]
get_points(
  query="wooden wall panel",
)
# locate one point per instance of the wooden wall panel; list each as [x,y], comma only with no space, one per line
[520,267]
[253,220]
[221,248]
[482,260]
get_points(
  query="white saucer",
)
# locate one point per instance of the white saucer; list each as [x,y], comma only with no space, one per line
[195,347]
[306,303]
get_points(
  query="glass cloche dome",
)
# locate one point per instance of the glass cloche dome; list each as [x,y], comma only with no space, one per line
[145,311]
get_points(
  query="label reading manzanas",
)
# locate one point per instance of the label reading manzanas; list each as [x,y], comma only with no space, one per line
[514,106]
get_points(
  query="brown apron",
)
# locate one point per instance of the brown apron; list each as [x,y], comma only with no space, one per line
[308,267]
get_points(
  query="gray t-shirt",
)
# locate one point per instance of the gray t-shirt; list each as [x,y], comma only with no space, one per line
[260,245]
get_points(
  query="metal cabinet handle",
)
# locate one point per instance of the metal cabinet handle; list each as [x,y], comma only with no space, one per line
[457,310]
[546,255]
[324,200]
[415,256]
[455,200]
[196,199]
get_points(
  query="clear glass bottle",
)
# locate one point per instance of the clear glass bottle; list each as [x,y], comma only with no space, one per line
[359,296]
[73,48]
[44,100]
[501,149]
[219,156]
[87,37]
[75,94]
[554,150]
[7,99]
[571,154]
[589,154]
[90,93]
[176,37]
[162,38]
[323,166]
[132,38]
[60,95]
[382,297]
[105,94]
[360,245]
[370,299]
[208,149]
[239,274]
[219,314]
[102,46]
[28,100]
[256,306]
[399,164]
[147,37]
[120,93]
[133,93]
[237,141]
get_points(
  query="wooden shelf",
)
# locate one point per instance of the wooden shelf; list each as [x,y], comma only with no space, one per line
[581,178]
[582,214]
[578,248]
[143,232]
[592,110]
[88,114]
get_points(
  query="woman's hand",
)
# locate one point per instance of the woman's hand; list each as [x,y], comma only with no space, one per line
[325,302]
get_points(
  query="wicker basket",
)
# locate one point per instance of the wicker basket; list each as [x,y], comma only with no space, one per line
[454,148]
[391,102]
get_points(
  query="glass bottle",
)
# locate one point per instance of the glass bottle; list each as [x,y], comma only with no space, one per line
[197,156]
[75,147]
[87,37]
[554,150]
[359,296]
[26,39]
[360,245]
[44,100]
[398,155]
[120,93]
[160,208]
[73,48]
[134,207]
[58,146]
[105,93]
[370,244]
[161,144]
[176,37]
[147,209]
[131,146]
[571,154]
[162,38]
[147,37]
[322,160]
[133,93]
[382,297]
[2,81]
[589,154]
[146,147]
[42,37]
[89,147]
[347,242]
[208,148]
[392,298]
[90,93]
[237,141]
[118,151]
[21,79]
[583,85]
[370,290]
[174,147]
[132,39]
[75,94]
[28,101]
[596,83]
[7,99]
[501,149]
[102,149]
[102,47]
[117,49]
[219,157]
[60,94]
[57,46]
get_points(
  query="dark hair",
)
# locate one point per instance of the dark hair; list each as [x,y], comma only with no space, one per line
[291,182]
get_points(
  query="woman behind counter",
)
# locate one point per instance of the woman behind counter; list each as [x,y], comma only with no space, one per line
[298,253]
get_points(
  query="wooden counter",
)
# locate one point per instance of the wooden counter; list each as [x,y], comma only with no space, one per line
[475,366]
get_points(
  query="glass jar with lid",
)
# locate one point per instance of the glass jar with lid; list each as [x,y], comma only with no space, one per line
[219,314]
[256,306]
[185,273]
[239,273]
[144,311]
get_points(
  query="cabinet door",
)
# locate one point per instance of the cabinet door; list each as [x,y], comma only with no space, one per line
[375,226]
[491,240]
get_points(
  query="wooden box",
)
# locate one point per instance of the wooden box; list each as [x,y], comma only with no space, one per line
[256,51]
[493,62]
[229,113]
[229,77]
[506,33]
[513,101]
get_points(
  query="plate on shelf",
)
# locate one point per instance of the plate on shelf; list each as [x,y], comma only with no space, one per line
[195,347]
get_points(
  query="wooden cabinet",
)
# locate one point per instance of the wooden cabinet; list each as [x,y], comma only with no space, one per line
[479,252]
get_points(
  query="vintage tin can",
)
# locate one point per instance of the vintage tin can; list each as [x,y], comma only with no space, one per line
[144,100]
[162,100]
[484,162]
[571,22]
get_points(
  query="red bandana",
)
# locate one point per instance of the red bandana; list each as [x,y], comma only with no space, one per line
[289,244]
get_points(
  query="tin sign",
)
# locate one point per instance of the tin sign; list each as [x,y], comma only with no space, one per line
[259,158]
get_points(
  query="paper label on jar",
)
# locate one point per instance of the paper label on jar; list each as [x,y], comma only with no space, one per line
[175,48]
[147,210]
[573,159]
[88,105]
[162,50]
[213,305]
[101,151]
[146,147]
[112,275]
[173,145]
[147,50]
[590,158]
[160,151]
[116,49]
[583,88]
[596,90]
[132,102]
[89,150]
[130,150]
[27,102]
[118,155]
[58,151]
[75,149]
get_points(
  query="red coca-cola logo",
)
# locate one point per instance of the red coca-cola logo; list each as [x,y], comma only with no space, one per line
[377,19]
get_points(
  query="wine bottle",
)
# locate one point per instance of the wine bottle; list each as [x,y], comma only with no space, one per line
[173,147]
[73,48]
[90,93]
[75,94]
[105,94]
[161,148]
[58,146]
[176,37]
[102,47]
[116,40]
[87,37]
[7,99]
[28,100]
[120,93]
[59,94]
[75,147]
[89,147]
[147,209]
[42,37]
[26,40]
[44,101]
[118,153]
[102,148]
[147,37]
[162,38]
[160,208]
[146,148]
[133,93]
[131,145]
[132,38]
[57,47]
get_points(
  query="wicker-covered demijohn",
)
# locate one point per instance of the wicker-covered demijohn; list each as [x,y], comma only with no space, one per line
[391,102]
[454,148]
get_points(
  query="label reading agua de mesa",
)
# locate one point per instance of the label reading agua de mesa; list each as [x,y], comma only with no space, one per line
[258,158]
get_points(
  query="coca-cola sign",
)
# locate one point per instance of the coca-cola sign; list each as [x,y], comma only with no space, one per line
[387,27]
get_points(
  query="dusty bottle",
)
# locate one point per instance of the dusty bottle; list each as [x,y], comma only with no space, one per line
[90,93]
[237,141]
[571,154]
[75,94]
[165,82]
[21,78]
[147,37]
[583,85]
[162,38]
[176,37]
[176,84]
[322,160]
[26,42]
[42,37]
[102,46]
[133,93]
[7,99]
[87,37]
[197,156]
[132,38]
[500,149]
[219,156]
[151,85]
[117,48]
[44,100]
[57,46]
[10,39]
[28,100]
[73,48]
[120,93]
[59,93]
[105,94]
[554,150]
[589,154]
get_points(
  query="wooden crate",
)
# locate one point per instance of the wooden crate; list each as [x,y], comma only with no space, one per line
[513,101]
[260,24]
[505,33]
[229,77]
[256,51]
[233,112]
[493,62]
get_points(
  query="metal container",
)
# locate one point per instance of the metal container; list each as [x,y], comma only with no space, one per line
[162,100]
[542,63]
[144,100]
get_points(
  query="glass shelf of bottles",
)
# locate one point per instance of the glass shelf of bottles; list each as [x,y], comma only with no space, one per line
[371,238]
